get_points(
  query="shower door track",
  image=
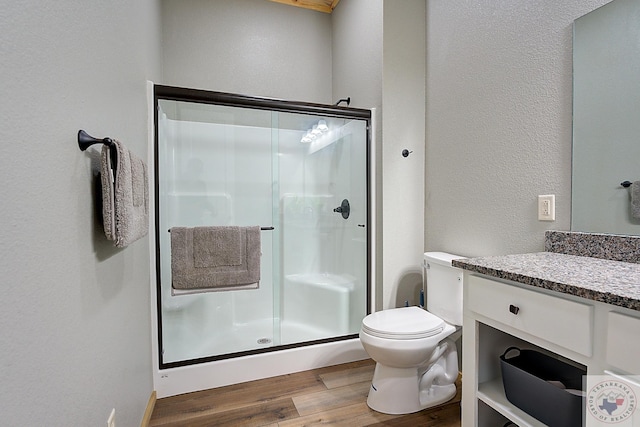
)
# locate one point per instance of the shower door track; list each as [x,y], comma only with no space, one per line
[234,100]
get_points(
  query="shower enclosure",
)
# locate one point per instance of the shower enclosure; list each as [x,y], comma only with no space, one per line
[297,170]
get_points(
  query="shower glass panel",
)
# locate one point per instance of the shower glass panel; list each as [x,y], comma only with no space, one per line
[227,160]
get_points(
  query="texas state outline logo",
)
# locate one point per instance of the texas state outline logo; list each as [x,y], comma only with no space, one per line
[611,401]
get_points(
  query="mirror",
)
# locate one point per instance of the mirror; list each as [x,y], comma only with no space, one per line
[606,118]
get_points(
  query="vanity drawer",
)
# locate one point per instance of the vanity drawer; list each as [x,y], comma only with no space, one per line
[623,342]
[554,319]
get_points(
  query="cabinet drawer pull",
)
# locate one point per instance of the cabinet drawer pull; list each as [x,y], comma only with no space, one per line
[514,309]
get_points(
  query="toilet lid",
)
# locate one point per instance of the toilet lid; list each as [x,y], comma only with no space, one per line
[403,323]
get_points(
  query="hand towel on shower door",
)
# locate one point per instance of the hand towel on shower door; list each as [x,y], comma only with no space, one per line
[215,258]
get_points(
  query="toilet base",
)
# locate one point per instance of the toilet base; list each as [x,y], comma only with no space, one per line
[397,391]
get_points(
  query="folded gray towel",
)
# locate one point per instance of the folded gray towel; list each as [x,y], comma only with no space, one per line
[218,258]
[635,199]
[217,246]
[125,195]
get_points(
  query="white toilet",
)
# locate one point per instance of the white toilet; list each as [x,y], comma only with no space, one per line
[417,360]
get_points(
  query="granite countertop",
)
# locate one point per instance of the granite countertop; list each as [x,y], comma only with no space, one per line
[611,282]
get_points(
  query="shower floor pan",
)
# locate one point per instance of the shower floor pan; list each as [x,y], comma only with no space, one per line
[245,337]
[315,307]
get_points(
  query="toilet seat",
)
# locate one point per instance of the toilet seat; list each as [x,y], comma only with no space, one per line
[406,323]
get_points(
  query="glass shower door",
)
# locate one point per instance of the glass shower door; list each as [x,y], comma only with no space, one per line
[214,169]
[323,199]
[222,164]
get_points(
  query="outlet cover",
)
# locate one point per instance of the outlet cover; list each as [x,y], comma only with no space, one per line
[547,207]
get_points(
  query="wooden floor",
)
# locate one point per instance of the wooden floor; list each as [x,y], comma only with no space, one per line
[334,395]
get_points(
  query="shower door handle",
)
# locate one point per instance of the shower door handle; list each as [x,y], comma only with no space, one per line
[344,209]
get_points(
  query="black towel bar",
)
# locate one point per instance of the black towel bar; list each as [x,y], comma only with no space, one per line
[261,228]
[85,140]
[626,184]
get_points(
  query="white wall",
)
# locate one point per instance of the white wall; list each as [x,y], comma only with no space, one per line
[75,311]
[357,74]
[498,120]
[403,128]
[250,47]
[379,58]
[357,52]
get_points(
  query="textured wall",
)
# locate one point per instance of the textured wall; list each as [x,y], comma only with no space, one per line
[75,311]
[251,47]
[357,73]
[357,52]
[403,127]
[498,129]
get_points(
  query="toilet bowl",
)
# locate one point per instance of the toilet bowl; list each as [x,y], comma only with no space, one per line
[414,349]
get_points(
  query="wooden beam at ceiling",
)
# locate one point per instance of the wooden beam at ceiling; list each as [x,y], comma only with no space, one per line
[325,6]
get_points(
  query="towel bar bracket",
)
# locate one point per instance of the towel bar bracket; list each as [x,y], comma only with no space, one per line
[85,140]
[626,184]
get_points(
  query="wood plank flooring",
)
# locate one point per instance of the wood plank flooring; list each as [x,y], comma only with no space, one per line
[335,395]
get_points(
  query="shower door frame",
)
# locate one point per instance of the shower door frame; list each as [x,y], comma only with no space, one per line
[173,93]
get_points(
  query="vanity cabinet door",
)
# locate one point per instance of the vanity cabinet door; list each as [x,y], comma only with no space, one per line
[623,342]
[565,323]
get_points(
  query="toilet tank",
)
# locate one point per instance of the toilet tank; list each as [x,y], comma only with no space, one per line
[443,286]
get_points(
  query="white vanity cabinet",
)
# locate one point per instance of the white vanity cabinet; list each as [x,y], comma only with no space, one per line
[599,337]
[623,342]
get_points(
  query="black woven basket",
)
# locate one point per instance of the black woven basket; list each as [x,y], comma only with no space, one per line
[526,384]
